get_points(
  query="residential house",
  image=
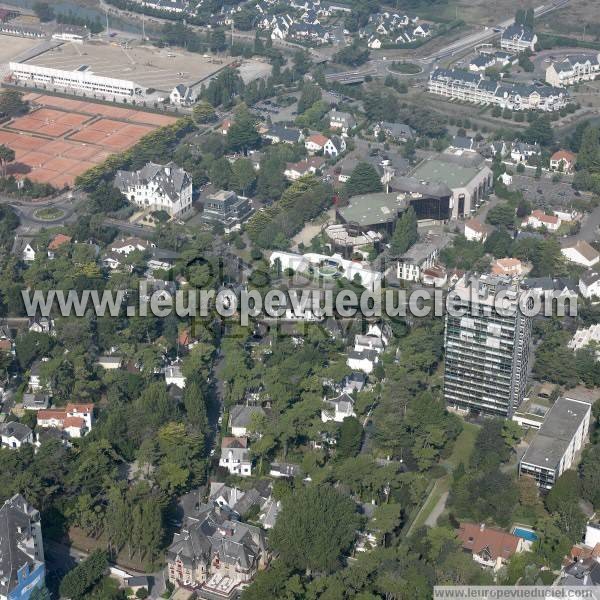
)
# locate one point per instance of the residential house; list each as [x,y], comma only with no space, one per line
[76,420]
[22,567]
[35,401]
[538,219]
[341,121]
[423,30]
[41,325]
[182,95]
[310,166]
[131,244]
[589,284]
[507,266]
[215,554]
[581,253]
[225,126]
[461,143]
[175,376]
[59,240]
[13,434]
[475,231]
[355,382]
[337,409]
[110,362]
[281,134]
[158,187]
[241,418]
[235,456]
[364,360]
[522,152]
[317,142]
[581,573]
[489,547]
[518,38]
[482,62]
[35,382]
[563,161]
[285,470]
[399,132]
[435,276]
[505,178]
[24,248]
[281,26]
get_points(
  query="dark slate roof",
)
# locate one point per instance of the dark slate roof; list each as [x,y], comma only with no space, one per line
[15,515]
[14,429]
[516,31]
[170,178]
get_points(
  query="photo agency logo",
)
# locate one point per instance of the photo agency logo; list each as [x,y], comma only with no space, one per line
[297,288]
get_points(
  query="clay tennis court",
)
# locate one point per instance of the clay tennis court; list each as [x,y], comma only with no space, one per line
[62,138]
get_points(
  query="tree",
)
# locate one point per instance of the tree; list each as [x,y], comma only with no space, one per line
[243,176]
[352,55]
[77,582]
[11,103]
[242,134]
[316,526]
[310,94]
[539,132]
[43,11]
[499,243]
[350,438]
[203,112]
[364,179]
[217,40]
[406,233]
[590,475]
[502,215]
[7,155]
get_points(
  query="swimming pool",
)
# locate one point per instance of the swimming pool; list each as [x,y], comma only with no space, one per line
[526,534]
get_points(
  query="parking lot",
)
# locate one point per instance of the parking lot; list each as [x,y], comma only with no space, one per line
[161,69]
[543,193]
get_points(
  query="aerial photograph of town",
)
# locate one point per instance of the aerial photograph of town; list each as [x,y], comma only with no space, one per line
[299,300]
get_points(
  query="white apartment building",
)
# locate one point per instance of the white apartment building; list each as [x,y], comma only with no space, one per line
[561,436]
[80,80]
[158,187]
[474,87]
[584,337]
[573,69]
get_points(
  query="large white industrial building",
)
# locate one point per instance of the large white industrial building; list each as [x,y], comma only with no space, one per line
[80,80]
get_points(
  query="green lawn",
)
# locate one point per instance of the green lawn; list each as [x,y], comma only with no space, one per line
[463,446]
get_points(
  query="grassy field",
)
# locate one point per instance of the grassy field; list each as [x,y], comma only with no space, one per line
[577,17]
[461,453]
[463,447]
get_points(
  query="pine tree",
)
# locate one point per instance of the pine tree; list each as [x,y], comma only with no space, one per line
[405,234]
[363,180]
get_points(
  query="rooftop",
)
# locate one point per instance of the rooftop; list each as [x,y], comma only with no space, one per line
[373,209]
[453,174]
[556,433]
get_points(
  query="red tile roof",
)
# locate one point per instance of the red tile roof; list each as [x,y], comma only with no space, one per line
[318,138]
[58,240]
[477,538]
[564,155]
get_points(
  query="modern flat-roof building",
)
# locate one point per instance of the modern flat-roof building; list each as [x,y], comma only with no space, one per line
[226,207]
[421,256]
[467,177]
[561,436]
[78,81]
[487,349]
